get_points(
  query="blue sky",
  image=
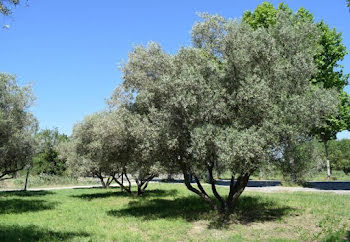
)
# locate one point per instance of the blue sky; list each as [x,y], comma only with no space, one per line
[70,50]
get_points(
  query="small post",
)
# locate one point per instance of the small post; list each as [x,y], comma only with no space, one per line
[27,176]
[121,187]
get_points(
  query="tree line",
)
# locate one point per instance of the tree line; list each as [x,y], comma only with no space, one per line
[246,94]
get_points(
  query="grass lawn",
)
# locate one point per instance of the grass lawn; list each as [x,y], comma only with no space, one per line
[38,181]
[168,212]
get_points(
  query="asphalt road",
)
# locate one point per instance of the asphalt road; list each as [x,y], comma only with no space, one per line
[258,186]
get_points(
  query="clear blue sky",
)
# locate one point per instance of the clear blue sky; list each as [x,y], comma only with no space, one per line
[70,50]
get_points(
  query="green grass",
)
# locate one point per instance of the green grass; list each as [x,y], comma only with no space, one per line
[316,177]
[37,181]
[168,212]
[336,176]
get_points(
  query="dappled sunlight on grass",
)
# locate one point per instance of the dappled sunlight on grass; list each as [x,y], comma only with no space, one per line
[16,205]
[112,215]
[35,233]
[25,193]
[192,208]
[113,192]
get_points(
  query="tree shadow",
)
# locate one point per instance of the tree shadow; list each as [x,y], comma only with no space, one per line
[25,193]
[148,194]
[35,233]
[10,206]
[253,209]
[248,210]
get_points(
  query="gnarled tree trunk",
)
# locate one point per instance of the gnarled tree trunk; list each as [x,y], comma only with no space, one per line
[143,183]
[224,206]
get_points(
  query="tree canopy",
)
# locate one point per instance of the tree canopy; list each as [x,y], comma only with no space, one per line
[230,100]
[115,144]
[46,159]
[329,73]
[5,6]
[17,126]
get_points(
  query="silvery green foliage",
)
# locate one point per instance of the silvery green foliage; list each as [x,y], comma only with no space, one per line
[232,98]
[100,140]
[116,142]
[17,126]
[143,138]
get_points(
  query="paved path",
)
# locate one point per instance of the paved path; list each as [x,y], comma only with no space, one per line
[256,186]
[294,189]
[276,186]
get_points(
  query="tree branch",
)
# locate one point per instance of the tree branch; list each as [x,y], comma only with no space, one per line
[11,171]
[204,195]
[213,187]
[127,178]
[236,190]
[121,185]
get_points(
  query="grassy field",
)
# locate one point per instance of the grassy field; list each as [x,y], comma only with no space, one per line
[47,181]
[168,212]
[317,176]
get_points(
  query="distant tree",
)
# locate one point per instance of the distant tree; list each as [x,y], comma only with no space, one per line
[329,72]
[115,145]
[301,161]
[17,126]
[230,99]
[67,152]
[93,139]
[46,159]
[143,156]
[339,152]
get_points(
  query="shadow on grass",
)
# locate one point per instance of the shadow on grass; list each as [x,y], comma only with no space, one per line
[25,193]
[35,233]
[108,193]
[248,210]
[14,205]
[254,209]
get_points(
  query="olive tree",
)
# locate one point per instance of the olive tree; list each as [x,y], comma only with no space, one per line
[230,99]
[115,144]
[329,73]
[94,143]
[17,127]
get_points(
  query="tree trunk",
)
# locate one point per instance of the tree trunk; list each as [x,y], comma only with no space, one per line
[236,189]
[27,177]
[127,178]
[122,182]
[325,143]
[109,181]
[261,173]
[292,166]
[201,192]
[213,188]
[127,189]
[224,206]
[142,184]
[99,175]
